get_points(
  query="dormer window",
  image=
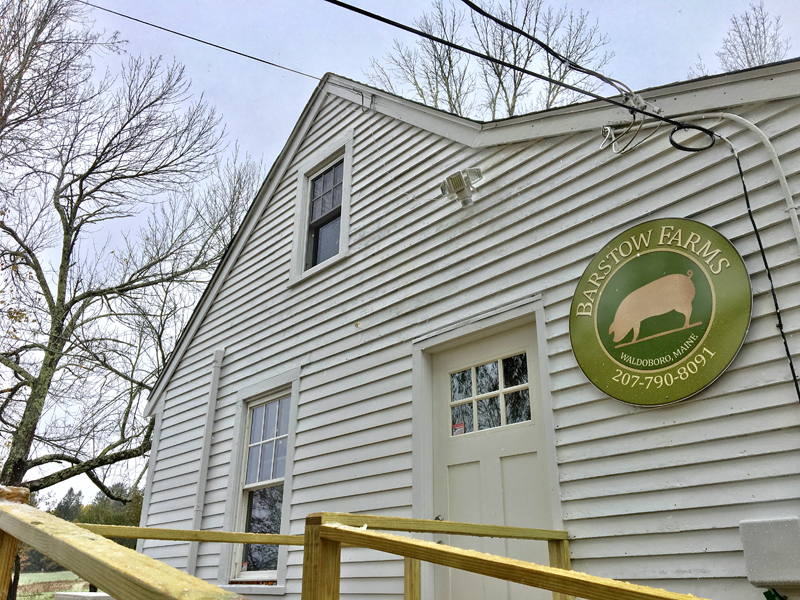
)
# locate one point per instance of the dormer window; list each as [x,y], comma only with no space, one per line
[326,212]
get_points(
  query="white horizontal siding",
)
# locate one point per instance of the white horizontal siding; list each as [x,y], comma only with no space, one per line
[651,495]
[657,495]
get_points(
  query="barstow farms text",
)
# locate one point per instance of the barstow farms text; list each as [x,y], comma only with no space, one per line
[668,236]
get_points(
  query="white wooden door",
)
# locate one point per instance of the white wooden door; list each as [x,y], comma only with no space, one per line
[489,456]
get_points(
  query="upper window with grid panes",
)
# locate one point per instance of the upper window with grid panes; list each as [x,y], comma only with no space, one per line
[325,215]
[494,394]
[266,466]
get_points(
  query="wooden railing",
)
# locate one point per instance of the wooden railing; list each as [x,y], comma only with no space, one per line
[120,572]
[128,575]
[190,535]
[327,532]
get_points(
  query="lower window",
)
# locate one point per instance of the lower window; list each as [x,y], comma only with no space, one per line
[263,488]
[264,509]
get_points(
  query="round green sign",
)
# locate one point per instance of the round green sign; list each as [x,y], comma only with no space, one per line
[660,312]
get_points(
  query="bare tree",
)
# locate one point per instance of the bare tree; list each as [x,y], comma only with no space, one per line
[699,69]
[501,91]
[44,63]
[576,38]
[90,302]
[437,75]
[503,88]
[753,39]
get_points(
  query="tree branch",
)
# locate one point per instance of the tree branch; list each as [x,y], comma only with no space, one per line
[79,468]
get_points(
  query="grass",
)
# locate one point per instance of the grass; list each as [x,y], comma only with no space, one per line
[43,586]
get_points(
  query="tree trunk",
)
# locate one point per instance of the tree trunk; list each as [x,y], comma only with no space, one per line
[17,463]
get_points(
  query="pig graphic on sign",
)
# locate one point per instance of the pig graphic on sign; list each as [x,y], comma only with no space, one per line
[672,292]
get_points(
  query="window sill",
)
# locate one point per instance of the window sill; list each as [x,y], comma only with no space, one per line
[308,273]
[243,589]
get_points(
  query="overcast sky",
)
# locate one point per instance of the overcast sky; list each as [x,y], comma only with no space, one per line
[654,42]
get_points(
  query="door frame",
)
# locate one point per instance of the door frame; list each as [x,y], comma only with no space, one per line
[527,310]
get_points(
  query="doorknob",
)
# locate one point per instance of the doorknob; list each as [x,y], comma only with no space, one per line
[438,518]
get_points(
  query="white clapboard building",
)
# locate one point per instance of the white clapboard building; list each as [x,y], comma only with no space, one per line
[334,360]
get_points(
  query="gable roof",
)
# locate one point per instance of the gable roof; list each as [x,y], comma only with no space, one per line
[682,99]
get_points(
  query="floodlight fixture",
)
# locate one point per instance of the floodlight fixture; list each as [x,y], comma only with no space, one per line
[461,185]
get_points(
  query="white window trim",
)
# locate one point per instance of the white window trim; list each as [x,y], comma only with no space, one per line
[318,161]
[287,382]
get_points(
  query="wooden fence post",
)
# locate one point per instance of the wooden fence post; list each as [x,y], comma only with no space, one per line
[559,558]
[321,563]
[8,543]
[412,588]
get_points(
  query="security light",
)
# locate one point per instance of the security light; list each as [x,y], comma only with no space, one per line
[461,185]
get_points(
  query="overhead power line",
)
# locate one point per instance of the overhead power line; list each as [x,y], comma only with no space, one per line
[679,126]
[201,41]
[616,84]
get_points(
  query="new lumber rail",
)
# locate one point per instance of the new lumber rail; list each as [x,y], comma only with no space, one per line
[128,575]
[118,571]
[326,532]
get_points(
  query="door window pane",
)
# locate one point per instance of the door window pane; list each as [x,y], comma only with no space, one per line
[462,418]
[461,385]
[487,378]
[515,370]
[518,407]
[489,413]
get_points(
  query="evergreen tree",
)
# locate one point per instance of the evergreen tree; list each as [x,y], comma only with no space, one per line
[70,506]
[105,511]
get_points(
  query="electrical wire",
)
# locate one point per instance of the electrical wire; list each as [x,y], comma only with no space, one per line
[609,135]
[766,267]
[482,56]
[201,41]
[616,84]
[611,138]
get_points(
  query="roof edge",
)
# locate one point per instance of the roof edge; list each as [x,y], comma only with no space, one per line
[262,197]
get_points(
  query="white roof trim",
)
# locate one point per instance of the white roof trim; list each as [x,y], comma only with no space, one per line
[679,99]
[773,82]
